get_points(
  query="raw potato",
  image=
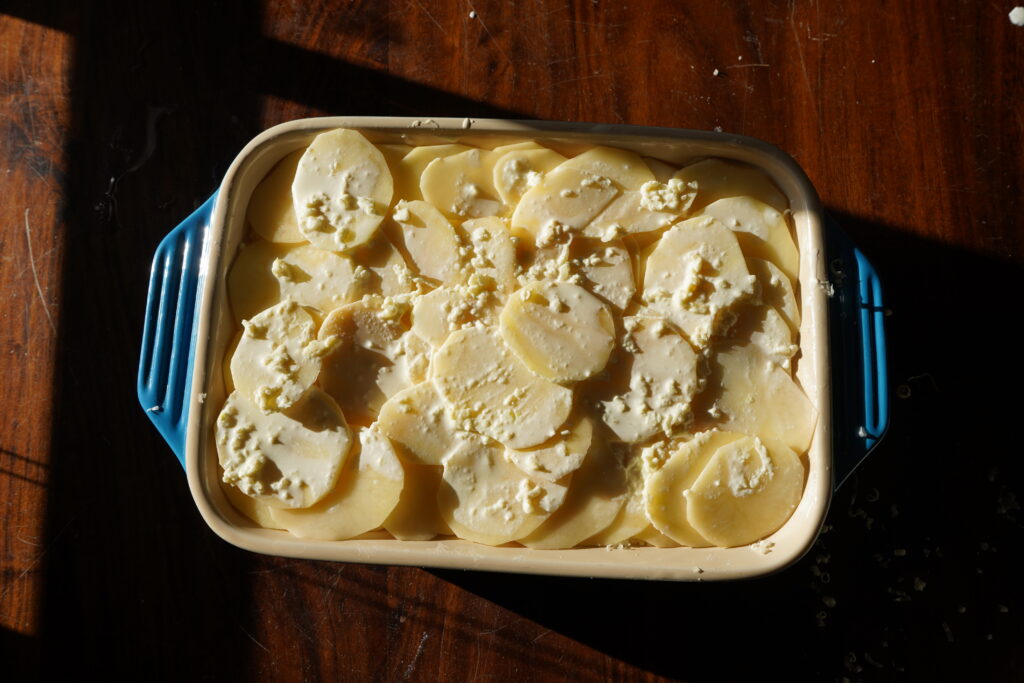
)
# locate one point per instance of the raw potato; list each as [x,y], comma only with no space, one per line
[765,328]
[559,330]
[367,491]
[776,291]
[393,155]
[662,172]
[255,509]
[287,459]
[759,397]
[429,241]
[271,211]
[566,197]
[626,169]
[632,518]
[485,498]
[761,230]
[653,207]
[491,392]
[252,287]
[415,418]
[438,312]
[747,491]
[716,179]
[696,272]
[663,380]
[389,275]
[561,456]
[416,517]
[462,185]
[319,279]
[597,493]
[410,169]
[609,274]
[516,171]
[491,252]
[665,492]
[369,361]
[652,536]
[278,357]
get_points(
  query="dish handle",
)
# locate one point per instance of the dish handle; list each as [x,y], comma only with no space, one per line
[166,362]
[860,374]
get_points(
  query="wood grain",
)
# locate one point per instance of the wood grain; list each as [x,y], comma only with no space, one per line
[118,118]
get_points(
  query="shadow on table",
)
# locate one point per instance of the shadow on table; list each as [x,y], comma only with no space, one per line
[914,575]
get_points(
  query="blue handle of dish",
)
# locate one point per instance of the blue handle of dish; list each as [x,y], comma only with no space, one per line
[860,373]
[169,336]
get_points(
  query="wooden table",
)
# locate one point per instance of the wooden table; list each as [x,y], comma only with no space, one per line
[117,118]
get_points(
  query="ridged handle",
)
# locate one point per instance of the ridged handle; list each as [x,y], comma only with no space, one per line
[860,374]
[169,336]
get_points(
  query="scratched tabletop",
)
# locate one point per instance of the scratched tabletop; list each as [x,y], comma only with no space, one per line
[118,118]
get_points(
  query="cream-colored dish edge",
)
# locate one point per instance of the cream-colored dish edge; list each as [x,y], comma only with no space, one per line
[676,146]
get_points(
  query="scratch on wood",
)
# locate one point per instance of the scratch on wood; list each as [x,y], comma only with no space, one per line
[253,639]
[35,273]
[745,66]
[419,651]
[429,15]
[542,634]
[803,68]
[490,35]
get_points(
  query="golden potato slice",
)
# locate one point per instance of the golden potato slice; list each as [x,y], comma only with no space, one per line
[252,286]
[516,171]
[717,178]
[271,211]
[429,241]
[416,517]
[761,231]
[559,457]
[319,279]
[417,419]
[462,185]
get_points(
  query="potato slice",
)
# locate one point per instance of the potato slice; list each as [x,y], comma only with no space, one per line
[608,273]
[367,492]
[287,459]
[653,207]
[776,291]
[663,380]
[668,483]
[716,179]
[559,457]
[341,191]
[516,171]
[653,537]
[278,357]
[491,392]
[255,509]
[439,312]
[662,172]
[417,419]
[389,274]
[485,498]
[559,330]
[564,199]
[462,185]
[319,279]
[747,491]
[370,360]
[410,169]
[597,493]
[765,328]
[416,517]
[271,211]
[626,169]
[491,252]
[429,241]
[252,286]
[761,231]
[696,272]
[632,518]
[759,397]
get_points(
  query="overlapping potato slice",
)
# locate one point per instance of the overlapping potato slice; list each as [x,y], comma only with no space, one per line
[491,392]
[759,397]
[438,312]
[559,457]
[518,170]
[717,178]
[624,168]
[608,273]
[559,330]
[389,275]
[662,172]
[278,357]
[776,291]
[416,517]
[761,231]
[370,359]
[597,492]
[254,508]
[653,537]
[410,169]
[663,378]
[462,185]
[367,491]
[289,459]
[653,207]
[565,199]
[429,241]
[252,286]
[696,272]
[271,211]
[485,498]
[747,491]
[490,252]
[319,279]
[416,418]
[671,473]
[632,518]
[341,191]
[765,328]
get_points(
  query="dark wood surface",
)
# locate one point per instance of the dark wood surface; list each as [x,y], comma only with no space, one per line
[118,118]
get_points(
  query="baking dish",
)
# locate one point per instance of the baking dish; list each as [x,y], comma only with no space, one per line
[842,369]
